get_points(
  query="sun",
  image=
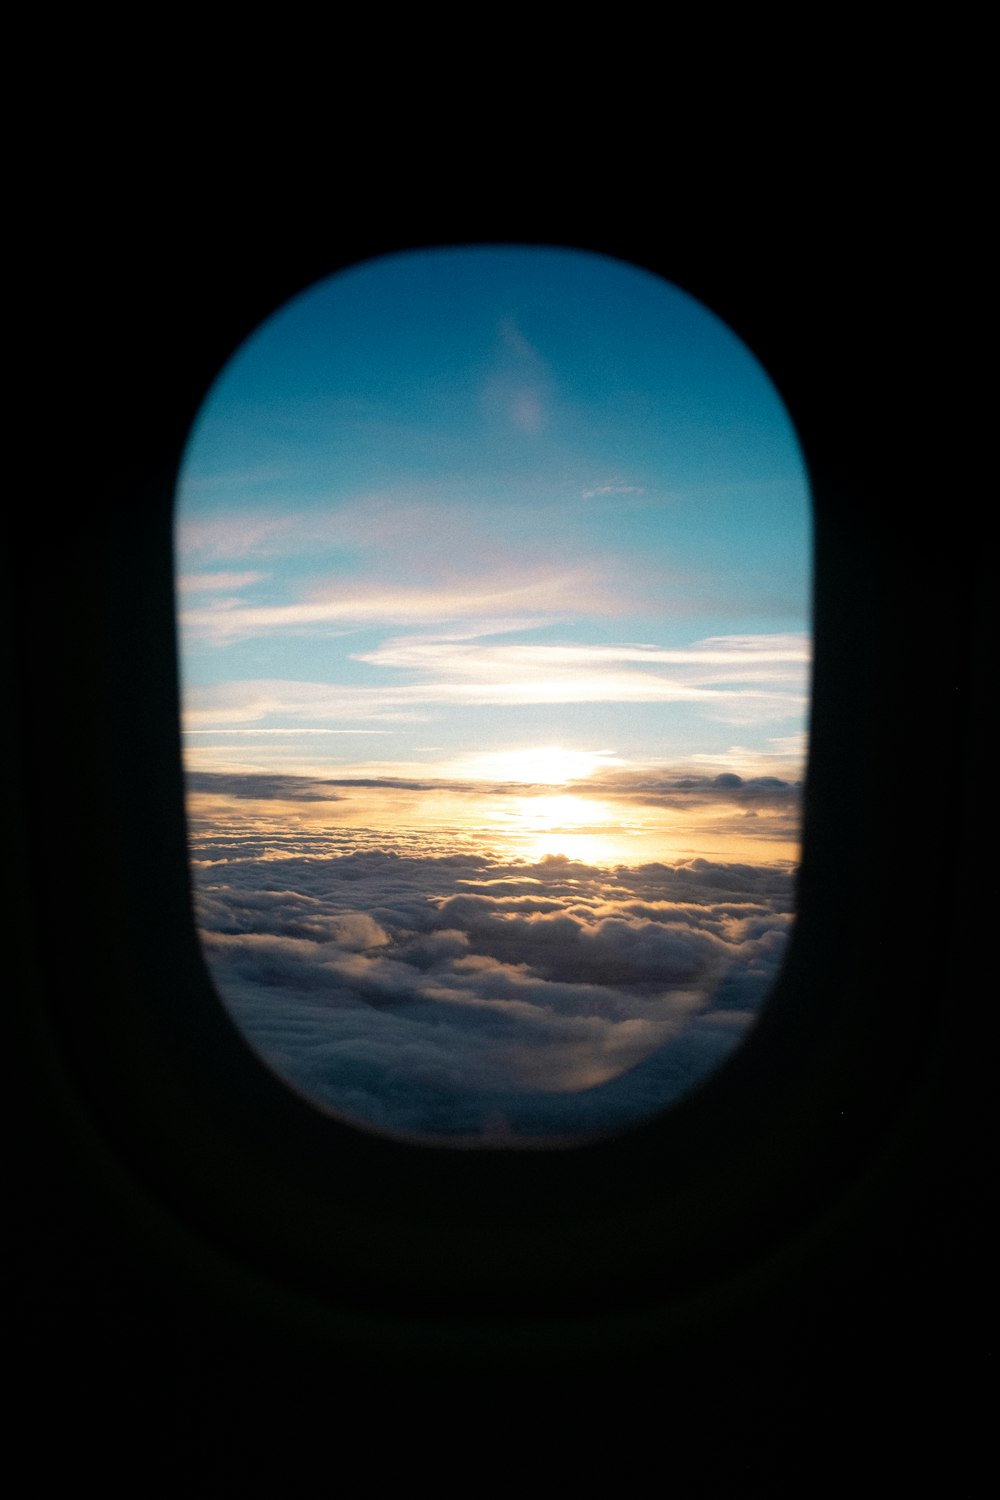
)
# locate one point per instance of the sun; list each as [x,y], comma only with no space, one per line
[540,765]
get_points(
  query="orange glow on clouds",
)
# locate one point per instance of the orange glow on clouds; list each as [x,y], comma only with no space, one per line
[530,824]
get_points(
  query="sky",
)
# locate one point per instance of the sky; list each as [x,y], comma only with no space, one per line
[493,580]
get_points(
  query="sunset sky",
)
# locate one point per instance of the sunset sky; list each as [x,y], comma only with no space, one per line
[496,556]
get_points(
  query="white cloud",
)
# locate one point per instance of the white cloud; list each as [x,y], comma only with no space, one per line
[529,596]
[433,993]
[736,653]
[738,679]
[190,583]
[613,489]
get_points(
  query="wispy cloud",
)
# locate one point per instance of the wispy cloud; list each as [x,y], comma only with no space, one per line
[229,704]
[212,583]
[761,677]
[520,391]
[530,596]
[246,533]
[737,655]
[613,489]
[767,670]
[286,729]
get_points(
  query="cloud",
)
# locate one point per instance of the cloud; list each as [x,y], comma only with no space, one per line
[717,658]
[241,534]
[596,776]
[257,786]
[764,675]
[686,791]
[520,599]
[745,678]
[613,489]
[230,704]
[190,583]
[465,994]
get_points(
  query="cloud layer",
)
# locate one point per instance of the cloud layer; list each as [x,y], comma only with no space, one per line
[467,994]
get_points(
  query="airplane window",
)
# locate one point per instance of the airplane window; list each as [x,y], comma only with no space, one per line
[493,569]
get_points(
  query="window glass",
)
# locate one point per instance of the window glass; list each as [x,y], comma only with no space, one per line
[493,571]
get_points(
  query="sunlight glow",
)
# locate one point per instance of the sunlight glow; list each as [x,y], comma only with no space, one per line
[547,765]
[546,813]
